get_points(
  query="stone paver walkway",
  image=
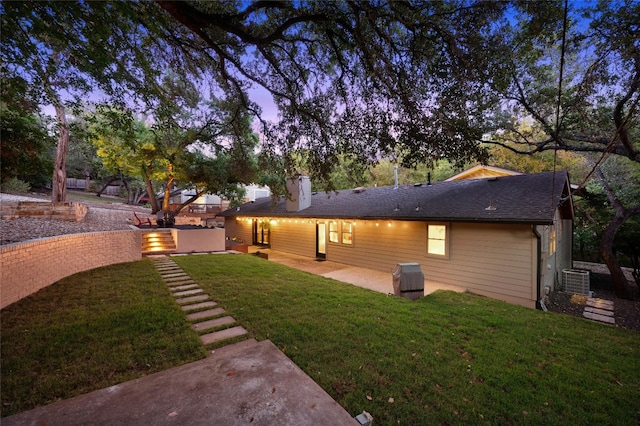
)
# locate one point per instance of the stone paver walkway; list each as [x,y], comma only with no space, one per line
[210,322]
[600,310]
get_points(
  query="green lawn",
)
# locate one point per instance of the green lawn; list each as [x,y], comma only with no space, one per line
[448,358]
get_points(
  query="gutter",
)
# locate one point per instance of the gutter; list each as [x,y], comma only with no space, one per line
[539,302]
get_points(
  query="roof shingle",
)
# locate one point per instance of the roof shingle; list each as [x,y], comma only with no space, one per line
[518,199]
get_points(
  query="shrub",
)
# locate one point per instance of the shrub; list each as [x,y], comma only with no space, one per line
[15,185]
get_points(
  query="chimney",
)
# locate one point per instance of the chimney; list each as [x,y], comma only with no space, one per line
[428,178]
[395,176]
[299,193]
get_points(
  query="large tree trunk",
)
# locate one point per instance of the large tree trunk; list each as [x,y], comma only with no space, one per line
[620,284]
[59,180]
[166,205]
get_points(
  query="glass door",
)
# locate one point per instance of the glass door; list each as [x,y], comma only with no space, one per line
[321,240]
[261,232]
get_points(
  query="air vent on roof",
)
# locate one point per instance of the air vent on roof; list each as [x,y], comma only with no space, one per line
[417,184]
[493,179]
[358,189]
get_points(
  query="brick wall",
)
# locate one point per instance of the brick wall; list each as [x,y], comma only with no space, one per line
[27,267]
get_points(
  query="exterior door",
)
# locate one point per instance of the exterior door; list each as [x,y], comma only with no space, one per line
[321,240]
[261,232]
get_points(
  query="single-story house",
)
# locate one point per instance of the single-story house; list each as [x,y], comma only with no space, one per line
[506,237]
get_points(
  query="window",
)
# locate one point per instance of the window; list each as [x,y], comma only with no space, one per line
[437,244]
[333,232]
[347,233]
[341,232]
[552,239]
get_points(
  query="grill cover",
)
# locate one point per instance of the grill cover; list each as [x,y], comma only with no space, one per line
[408,280]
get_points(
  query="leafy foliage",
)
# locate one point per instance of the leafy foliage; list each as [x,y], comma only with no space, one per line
[26,144]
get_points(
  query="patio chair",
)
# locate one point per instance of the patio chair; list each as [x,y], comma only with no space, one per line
[141,222]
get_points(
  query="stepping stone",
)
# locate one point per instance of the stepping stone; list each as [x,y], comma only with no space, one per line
[600,303]
[207,304]
[177,279]
[187,292]
[598,311]
[169,269]
[184,287]
[175,284]
[175,275]
[207,313]
[217,322]
[600,318]
[227,333]
[187,300]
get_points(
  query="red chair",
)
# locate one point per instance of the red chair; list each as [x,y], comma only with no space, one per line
[141,222]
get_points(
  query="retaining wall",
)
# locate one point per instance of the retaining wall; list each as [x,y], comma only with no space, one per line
[44,210]
[32,265]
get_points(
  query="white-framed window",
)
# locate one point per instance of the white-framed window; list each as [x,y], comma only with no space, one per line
[341,232]
[347,233]
[334,233]
[438,240]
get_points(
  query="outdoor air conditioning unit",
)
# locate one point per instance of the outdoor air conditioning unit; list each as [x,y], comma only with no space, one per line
[576,281]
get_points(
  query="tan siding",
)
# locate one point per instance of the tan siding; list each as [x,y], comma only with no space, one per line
[494,260]
[239,228]
[295,236]
[485,258]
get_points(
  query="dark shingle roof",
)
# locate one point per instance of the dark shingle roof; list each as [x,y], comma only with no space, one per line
[518,199]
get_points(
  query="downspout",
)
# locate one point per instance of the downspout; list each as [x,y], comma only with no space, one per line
[539,302]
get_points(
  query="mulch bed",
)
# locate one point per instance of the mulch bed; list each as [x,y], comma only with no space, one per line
[627,312]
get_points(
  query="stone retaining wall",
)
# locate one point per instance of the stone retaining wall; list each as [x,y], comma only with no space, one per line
[32,265]
[44,210]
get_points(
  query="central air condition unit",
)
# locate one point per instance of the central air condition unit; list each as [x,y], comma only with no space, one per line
[576,281]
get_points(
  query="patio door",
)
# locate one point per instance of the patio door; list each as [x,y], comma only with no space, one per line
[321,240]
[261,232]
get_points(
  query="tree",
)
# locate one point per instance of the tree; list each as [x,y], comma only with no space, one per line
[25,140]
[579,86]
[65,50]
[203,145]
[356,79]
[416,81]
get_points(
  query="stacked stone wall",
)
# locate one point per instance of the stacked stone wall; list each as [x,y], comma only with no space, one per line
[32,265]
[44,210]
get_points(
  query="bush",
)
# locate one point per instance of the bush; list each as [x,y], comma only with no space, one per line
[15,185]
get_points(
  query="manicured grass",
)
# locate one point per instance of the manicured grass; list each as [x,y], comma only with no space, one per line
[83,196]
[448,358]
[90,331]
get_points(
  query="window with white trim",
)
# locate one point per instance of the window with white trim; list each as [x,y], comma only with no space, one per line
[347,233]
[437,240]
[334,234]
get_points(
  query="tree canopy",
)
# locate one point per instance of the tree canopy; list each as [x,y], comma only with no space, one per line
[414,81]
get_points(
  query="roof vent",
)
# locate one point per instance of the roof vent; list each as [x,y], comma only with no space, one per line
[417,184]
[491,206]
[397,209]
[395,177]
[418,208]
[358,189]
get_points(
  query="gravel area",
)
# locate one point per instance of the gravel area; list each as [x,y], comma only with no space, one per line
[98,218]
